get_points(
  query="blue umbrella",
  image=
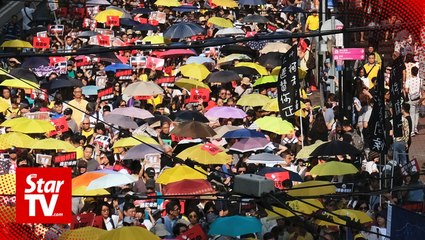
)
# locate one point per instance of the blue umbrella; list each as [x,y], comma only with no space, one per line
[252,2]
[235,226]
[117,66]
[141,11]
[128,22]
[144,27]
[35,62]
[199,60]
[186,9]
[90,90]
[183,30]
[293,176]
[292,9]
[244,133]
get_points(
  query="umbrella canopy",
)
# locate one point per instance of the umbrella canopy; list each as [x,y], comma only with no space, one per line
[275,47]
[244,133]
[121,121]
[271,59]
[15,139]
[268,159]
[117,66]
[225,112]
[220,22]
[128,232]
[292,9]
[199,60]
[190,83]
[155,39]
[87,34]
[133,141]
[274,124]
[223,77]
[90,90]
[188,115]
[335,148]
[260,69]
[255,19]
[24,73]
[250,145]
[97,3]
[229,32]
[312,189]
[179,173]
[272,80]
[252,2]
[144,27]
[139,151]
[355,215]
[102,16]
[188,187]
[206,154]
[281,174]
[223,130]
[82,191]
[183,30]
[234,56]
[253,100]
[333,168]
[194,70]
[245,71]
[142,88]
[240,225]
[64,82]
[141,11]
[20,83]
[111,179]
[3,105]
[193,129]
[306,151]
[307,206]
[52,144]
[35,62]
[277,213]
[128,22]
[133,112]
[234,48]
[168,3]
[33,126]
[175,53]
[225,3]
[84,233]
[16,44]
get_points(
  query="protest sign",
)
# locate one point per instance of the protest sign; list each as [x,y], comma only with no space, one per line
[43,159]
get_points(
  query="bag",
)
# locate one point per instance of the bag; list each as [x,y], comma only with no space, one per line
[414,96]
[311,61]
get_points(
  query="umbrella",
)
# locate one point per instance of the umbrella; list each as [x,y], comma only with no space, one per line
[133,141]
[306,151]
[229,32]
[333,168]
[278,213]
[307,206]
[260,69]
[139,151]
[189,83]
[234,56]
[250,145]
[128,232]
[20,83]
[52,144]
[271,59]
[188,115]
[33,126]
[142,88]
[245,71]
[188,187]
[14,121]
[224,129]
[87,34]
[82,191]
[102,16]
[252,2]
[64,82]
[16,44]
[35,62]
[274,124]
[133,112]
[220,22]
[141,11]
[355,215]
[253,100]
[193,129]
[113,179]
[275,47]
[265,158]
[279,173]
[312,189]
[225,112]
[335,148]
[35,30]
[301,73]
[186,143]
[128,22]
[168,3]
[24,74]
[255,19]
[179,173]
[118,66]
[121,121]
[155,39]
[175,53]
[84,233]
[186,8]
[223,77]
[272,80]
[15,139]
[194,70]
[90,90]
[292,9]
[206,154]
[244,133]
[235,226]
[199,60]
[225,3]
[144,27]
[43,71]
[97,3]
[234,48]
[183,30]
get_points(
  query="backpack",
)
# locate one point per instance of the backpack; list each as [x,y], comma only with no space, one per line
[357,141]
[311,61]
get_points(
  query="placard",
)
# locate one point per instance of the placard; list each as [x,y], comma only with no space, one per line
[211,148]
[92,11]
[153,161]
[151,203]
[155,63]
[124,74]
[60,125]
[344,187]
[113,21]
[138,61]
[62,67]
[79,13]
[175,138]
[52,30]
[102,141]
[157,16]
[38,115]
[104,40]
[66,159]
[43,159]
[41,42]
[141,20]
[89,23]
[106,93]
[82,220]
[278,178]
[101,81]
[194,233]
[199,93]
[42,34]
[104,31]
[54,60]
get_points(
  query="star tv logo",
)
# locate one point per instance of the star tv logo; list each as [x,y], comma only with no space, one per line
[43,195]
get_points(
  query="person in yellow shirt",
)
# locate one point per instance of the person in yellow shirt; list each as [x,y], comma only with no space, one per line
[78,105]
[371,68]
[313,21]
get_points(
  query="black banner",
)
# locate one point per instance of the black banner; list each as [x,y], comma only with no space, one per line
[288,85]
[396,87]
[377,118]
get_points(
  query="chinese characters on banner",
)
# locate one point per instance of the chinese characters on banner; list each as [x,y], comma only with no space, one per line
[112,21]
[155,63]
[377,118]
[396,87]
[41,42]
[106,93]
[288,85]
[199,93]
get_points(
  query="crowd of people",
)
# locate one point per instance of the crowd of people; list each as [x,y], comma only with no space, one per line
[94,133]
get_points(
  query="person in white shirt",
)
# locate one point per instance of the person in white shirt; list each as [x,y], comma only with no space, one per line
[413,89]
[27,17]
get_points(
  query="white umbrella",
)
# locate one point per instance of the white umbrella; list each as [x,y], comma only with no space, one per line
[111,180]
[133,112]
[265,158]
[229,32]
[143,89]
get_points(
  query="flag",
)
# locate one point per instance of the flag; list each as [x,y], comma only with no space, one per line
[396,86]
[377,118]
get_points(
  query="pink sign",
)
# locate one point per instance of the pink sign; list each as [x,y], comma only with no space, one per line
[348,53]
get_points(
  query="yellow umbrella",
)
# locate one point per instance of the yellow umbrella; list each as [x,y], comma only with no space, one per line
[8,184]
[15,139]
[20,83]
[189,83]
[312,188]
[14,121]
[225,3]
[82,191]
[201,154]
[260,69]
[274,124]
[307,206]
[16,44]
[221,22]
[253,100]
[128,232]
[133,141]
[155,39]
[53,144]
[234,56]
[306,151]
[103,15]
[33,126]
[83,233]
[168,3]
[355,215]
[333,220]
[5,73]
[301,72]
[271,106]
[333,168]
[279,213]
[265,80]
[179,173]
[195,70]
[3,105]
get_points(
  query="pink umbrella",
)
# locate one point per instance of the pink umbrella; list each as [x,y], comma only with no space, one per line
[175,53]
[133,112]
[250,145]
[188,187]
[225,112]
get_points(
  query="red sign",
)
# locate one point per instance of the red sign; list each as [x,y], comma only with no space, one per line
[43,195]
[82,220]
[155,63]
[175,138]
[278,177]
[106,93]
[104,40]
[121,73]
[143,97]
[66,159]
[41,42]
[112,21]
[199,93]
[141,20]
[348,53]
[194,233]
[54,60]
[60,124]
[211,148]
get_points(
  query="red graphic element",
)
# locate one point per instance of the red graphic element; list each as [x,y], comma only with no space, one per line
[112,21]
[199,93]
[60,124]
[211,148]
[43,195]
[104,40]
[195,232]
[41,42]
[278,178]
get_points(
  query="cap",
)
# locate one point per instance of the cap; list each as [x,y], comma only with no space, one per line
[67,111]
[150,183]
[137,103]
[129,31]
[150,172]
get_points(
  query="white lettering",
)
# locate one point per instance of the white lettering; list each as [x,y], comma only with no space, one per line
[46,208]
[30,183]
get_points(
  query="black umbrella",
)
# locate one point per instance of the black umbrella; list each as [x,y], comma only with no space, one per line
[335,148]
[160,118]
[144,27]
[255,19]
[246,71]
[234,48]
[24,73]
[64,81]
[141,11]
[271,59]
[128,22]
[35,62]
[104,56]
[252,2]
[292,9]
[183,30]
[87,34]
[188,115]
[223,77]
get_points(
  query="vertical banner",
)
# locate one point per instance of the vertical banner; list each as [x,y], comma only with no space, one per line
[377,118]
[288,85]
[396,86]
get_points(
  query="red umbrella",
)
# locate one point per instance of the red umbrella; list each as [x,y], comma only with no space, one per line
[175,53]
[188,187]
